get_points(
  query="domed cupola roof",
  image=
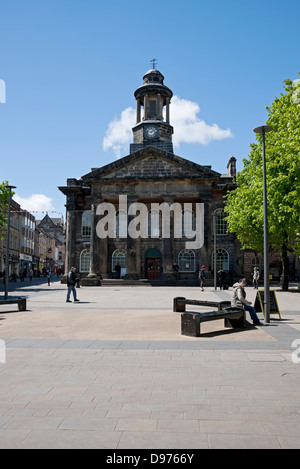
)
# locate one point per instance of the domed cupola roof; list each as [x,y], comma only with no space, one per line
[153,83]
[153,76]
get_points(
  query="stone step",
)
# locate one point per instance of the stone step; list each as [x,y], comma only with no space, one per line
[150,282]
[108,282]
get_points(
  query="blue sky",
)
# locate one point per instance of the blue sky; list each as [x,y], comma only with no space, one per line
[71,67]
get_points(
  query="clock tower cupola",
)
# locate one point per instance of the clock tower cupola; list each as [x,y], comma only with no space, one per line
[153,113]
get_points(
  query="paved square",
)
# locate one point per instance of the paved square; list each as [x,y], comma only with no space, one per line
[113,371]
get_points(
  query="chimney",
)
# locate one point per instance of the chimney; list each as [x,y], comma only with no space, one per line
[231,166]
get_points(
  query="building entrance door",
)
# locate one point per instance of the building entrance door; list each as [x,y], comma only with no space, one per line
[153,267]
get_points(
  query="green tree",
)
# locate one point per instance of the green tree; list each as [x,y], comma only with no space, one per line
[4,197]
[245,204]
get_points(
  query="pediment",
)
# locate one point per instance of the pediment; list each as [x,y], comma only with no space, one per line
[151,163]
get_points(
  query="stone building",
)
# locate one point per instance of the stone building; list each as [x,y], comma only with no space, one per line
[14,241]
[53,226]
[50,236]
[27,241]
[153,202]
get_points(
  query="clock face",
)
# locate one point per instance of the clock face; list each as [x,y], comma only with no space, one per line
[151,131]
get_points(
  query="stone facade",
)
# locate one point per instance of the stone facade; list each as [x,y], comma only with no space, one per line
[151,174]
[15,241]
[53,226]
[50,244]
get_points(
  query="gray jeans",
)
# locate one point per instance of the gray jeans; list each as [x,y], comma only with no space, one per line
[71,288]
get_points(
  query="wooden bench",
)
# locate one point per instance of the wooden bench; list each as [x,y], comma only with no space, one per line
[191,320]
[20,301]
[180,302]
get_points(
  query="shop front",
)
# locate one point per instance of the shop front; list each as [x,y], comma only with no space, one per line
[25,263]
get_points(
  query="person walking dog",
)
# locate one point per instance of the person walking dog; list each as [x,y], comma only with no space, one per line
[71,283]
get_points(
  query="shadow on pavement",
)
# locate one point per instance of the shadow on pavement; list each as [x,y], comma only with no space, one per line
[37,285]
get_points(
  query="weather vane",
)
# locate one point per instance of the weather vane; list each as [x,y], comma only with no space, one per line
[153,62]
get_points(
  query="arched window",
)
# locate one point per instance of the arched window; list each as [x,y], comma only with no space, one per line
[119,257]
[85,261]
[222,259]
[187,260]
[188,223]
[256,262]
[220,221]
[154,224]
[86,223]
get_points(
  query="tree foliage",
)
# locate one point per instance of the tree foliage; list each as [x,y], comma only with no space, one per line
[4,197]
[245,204]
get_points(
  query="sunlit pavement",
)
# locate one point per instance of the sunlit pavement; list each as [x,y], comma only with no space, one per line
[113,371]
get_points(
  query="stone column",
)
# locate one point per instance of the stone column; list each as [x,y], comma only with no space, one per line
[70,243]
[67,253]
[70,240]
[93,253]
[138,111]
[100,248]
[158,107]
[138,257]
[168,255]
[133,247]
[168,110]
[145,106]
[103,256]
[205,252]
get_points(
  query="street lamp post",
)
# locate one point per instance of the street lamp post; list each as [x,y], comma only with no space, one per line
[215,251]
[263,130]
[7,243]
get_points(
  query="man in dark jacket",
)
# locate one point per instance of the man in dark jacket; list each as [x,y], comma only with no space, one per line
[71,282]
[221,278]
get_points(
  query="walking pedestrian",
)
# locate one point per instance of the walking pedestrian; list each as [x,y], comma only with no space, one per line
[71,283]
[118,270]
[256,276]
[239,300]
[221,278]
[176,269]
[202,277]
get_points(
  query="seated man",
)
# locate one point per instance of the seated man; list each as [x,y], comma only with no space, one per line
[239,299]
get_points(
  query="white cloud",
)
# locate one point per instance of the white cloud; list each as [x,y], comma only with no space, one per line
[188,128]
[119,133]
[35,202]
